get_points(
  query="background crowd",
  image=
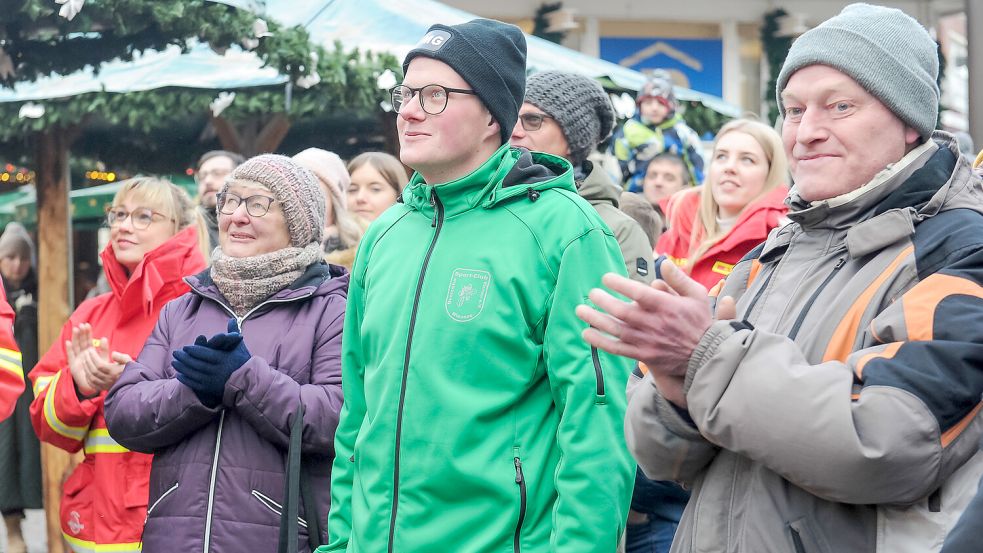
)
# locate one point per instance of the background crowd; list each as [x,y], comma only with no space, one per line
[374,354]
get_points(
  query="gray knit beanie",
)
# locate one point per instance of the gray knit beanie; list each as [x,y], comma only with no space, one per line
[294,187]
[16,241]
[885,50]
[578,104]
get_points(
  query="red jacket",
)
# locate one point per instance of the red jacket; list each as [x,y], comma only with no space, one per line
[11,373]
[105,498]
[751,229]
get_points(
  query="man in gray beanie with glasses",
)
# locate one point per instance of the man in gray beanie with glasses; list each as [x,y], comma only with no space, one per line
[832,400]
[568,115]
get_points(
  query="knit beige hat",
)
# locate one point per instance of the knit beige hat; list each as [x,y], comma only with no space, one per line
[294,187]
[330,169]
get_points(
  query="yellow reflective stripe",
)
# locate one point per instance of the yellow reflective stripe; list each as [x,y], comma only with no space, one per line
[10,360]
[98,440]
[70,432]
[722,268]
[41,383]
[85,546]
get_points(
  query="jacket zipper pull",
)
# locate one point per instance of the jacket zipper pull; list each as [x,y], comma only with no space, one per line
[518,471]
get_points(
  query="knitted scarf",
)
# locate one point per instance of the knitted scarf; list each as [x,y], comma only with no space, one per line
[247,281]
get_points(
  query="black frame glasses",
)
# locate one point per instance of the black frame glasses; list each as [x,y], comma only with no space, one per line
[257,205]
[141,218]
[533,121]
[433,94]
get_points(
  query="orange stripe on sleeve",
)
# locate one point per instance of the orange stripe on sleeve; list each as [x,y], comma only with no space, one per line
[753,274]
[954,432]
[888,352]
[921,302]
[841,343]
[979,160]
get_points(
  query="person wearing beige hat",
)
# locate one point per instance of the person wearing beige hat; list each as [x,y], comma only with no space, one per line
[253,347]
[341,230]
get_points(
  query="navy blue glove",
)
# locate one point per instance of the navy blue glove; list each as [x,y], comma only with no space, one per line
[206,366]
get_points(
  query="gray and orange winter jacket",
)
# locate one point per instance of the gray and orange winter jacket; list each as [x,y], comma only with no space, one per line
[840,412]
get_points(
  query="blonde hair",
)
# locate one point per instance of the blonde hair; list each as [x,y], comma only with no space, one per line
[706,231]
[164,196]
[389,167]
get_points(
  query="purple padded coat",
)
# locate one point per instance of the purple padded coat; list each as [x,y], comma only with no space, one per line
[217,480]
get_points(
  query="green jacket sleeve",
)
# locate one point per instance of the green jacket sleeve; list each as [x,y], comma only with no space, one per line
[595,475]
[352,413]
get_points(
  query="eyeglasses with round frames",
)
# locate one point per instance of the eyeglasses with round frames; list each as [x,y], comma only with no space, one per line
[433,97]
[256,206]
[533,121]
[141,218]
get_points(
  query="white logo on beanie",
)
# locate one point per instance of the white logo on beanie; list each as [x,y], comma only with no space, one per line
[434,40]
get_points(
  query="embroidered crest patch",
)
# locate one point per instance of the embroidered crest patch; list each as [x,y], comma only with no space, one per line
[466,294]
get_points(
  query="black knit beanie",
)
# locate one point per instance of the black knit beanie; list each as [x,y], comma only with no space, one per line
[490,56]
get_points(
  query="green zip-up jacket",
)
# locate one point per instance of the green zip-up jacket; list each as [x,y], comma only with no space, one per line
[476,419]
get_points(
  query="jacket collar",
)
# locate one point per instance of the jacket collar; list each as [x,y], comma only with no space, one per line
[143,291]
[930,179]
[848,209]
[597,186]
[508,173]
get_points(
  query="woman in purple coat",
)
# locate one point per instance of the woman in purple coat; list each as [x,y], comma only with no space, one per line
[222,378]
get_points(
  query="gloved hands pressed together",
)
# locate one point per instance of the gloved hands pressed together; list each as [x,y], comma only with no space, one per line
[206,365]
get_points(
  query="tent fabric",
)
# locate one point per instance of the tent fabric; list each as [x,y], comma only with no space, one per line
[392,26]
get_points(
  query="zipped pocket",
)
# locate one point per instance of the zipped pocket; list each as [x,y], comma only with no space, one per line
[521,482]
[166,493]
[150,509]
[274,506]
[599,398]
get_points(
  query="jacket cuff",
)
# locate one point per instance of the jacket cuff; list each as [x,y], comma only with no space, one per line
[706,349]
[673,419]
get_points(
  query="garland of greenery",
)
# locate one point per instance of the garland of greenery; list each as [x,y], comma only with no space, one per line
[776,49]
[40,42]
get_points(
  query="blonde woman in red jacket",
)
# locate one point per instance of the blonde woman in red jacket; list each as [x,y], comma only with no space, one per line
[156,238]
[714,226]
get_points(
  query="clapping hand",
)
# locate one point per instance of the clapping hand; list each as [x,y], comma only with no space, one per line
[206,365]
[93,366]
[660,325]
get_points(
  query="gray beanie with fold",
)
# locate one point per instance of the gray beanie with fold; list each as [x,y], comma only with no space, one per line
[885,50]
[580,106]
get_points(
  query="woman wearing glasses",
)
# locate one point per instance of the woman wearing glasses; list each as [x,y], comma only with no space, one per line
[231,364]
[156,238]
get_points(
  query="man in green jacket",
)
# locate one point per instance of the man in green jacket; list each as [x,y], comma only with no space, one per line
[568,115]
[475,419]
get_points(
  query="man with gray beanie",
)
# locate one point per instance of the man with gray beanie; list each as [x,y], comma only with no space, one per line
[568,115]
[832,400]
[475,419]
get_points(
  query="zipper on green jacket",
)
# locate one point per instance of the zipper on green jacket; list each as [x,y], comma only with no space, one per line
[521,481]
[438,223]
[598,376]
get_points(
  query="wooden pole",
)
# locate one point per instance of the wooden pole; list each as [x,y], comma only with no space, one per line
[54,294]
